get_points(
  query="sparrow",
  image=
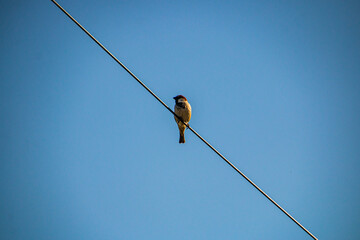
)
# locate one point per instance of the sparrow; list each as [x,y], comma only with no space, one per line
[183,110]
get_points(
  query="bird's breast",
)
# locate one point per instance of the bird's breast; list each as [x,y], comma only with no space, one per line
[183,111]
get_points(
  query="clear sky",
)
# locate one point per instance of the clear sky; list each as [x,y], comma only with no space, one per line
[87,153]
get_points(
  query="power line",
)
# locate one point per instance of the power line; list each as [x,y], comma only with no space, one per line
[201,138]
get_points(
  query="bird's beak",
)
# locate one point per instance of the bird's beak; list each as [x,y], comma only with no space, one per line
[174,97]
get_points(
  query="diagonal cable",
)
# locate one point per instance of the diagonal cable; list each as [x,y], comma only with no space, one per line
[191,129]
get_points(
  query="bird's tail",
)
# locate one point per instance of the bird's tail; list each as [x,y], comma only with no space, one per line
[182,137]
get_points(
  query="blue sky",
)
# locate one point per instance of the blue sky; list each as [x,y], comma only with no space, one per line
[87,153]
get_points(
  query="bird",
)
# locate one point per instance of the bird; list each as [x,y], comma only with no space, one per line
[182,109]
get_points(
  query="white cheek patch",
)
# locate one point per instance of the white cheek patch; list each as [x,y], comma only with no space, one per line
[181,100]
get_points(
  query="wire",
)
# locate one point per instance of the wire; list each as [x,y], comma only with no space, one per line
[198,135]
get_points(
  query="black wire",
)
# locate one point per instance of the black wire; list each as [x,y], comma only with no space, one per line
[198,135]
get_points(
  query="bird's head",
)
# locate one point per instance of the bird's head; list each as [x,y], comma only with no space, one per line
[180,98]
